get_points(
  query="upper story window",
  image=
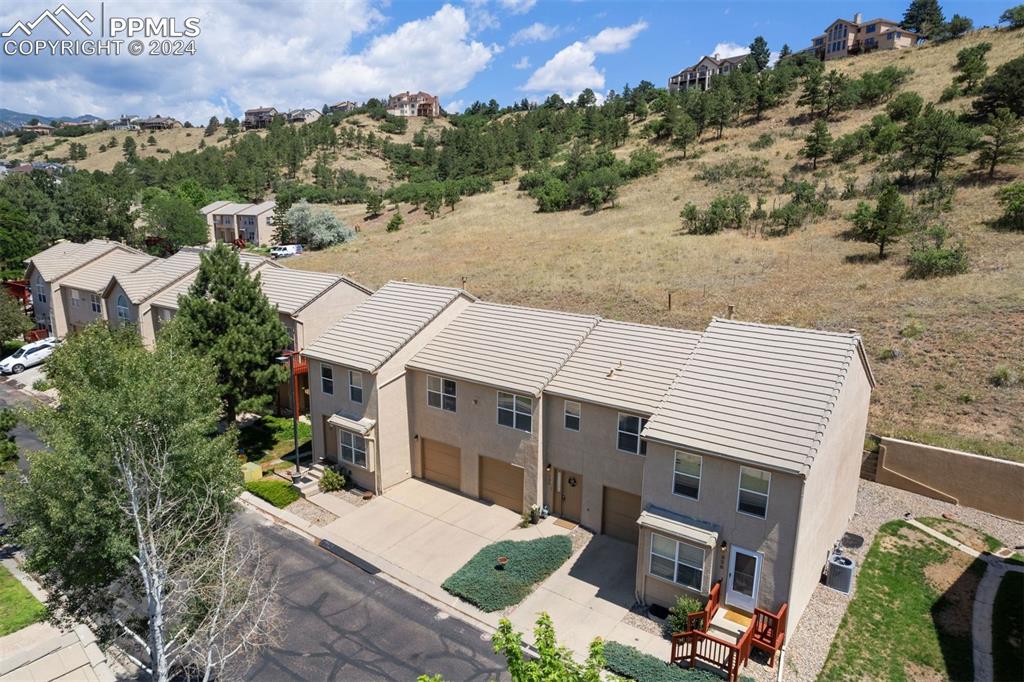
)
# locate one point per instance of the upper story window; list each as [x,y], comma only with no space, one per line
[355,386]
[41,293]
[572,414]
[753,495]
[872,28]
[686,474]
[76,298]
[94,301]
[629,439]
[327,379]
[122,308]
[515,411]
[677,561]
[441,393]
[353,449]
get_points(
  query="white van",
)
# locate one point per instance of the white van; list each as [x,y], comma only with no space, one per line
[285,250]
[29,355]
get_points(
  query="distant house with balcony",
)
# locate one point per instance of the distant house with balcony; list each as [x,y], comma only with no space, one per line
[414,104]
[342,107]
[229,222]
[303,115]
[125,122]
[37,128]
[159,122]
[700,74]
[846,38]
[261,117]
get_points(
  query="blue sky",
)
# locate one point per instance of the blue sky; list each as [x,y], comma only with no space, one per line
[290,53]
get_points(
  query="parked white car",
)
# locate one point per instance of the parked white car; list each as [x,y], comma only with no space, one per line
[285,250]
[29,355]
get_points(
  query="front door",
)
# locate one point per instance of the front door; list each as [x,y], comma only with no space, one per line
[569,495]
[744,578]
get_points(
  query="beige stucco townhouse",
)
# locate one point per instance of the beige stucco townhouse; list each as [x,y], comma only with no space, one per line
[68,280]
[752,465]
[227,221]
[358,380]
[476,399]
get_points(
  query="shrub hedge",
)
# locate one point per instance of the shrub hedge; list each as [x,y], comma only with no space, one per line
[278,493]
[633,664]
[529,562]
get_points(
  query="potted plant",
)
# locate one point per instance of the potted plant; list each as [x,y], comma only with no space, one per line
[502,562]
[534,514]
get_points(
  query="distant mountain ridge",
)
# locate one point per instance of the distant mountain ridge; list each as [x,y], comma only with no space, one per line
[10,119]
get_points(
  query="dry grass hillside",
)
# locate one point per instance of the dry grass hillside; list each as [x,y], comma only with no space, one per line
[933,344]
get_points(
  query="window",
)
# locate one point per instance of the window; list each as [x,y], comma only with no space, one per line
[629,439]
[94,301]
[327,379]
[515,411]
[686,479]
[355,386]
[41,293]
[353,449]
[753,496]
[872,28]
[441,393]
[572,415]
[122,308]
[76,298]
[677,561]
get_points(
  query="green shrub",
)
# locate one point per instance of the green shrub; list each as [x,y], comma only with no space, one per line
[905,106]
[1002,376]
[633,664]
[930,261]
[331,481]
[763,141]
[395,224]
[42,385]
[529,561]
[278,493]
[685,605]
[950,93]
[725,212]
[912,330]
[1011,198]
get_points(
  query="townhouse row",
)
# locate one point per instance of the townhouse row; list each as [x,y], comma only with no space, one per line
[732,454]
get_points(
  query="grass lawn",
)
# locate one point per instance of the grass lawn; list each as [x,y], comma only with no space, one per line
[482,584]
[18,608]
[277,492]
[911,615]
[1008,629]
[269,438]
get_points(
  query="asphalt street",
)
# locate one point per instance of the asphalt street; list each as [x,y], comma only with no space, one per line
[344,624]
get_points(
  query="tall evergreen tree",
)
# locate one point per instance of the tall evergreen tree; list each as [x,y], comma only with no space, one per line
[883,225]
[972,67]
[226,318]
[924,17]
[785,51]
[813,94]
[1002,140]
[760,53]
[817,144]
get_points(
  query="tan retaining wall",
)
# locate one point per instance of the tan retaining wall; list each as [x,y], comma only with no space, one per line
[991,485]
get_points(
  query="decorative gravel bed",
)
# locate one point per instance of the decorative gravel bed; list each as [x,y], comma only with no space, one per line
[353,496]
[308,511]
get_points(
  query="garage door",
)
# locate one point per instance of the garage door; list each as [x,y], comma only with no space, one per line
[619,515]
[501,483]
[442,464]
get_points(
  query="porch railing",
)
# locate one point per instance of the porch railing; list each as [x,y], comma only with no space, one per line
[689,648]
[701,620]
[769,631]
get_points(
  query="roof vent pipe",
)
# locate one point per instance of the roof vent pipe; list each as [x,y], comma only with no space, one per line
[732,311]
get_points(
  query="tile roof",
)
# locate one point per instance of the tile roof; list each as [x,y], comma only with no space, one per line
[230,209]
[625,366]
[378,327]
[168,298]
[292,290]
[757,393]
[95,275]
[63,257]
[147,281]
[505,346]
[257,209]
[212,208]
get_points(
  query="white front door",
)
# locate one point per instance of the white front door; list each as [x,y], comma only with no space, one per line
[744,578]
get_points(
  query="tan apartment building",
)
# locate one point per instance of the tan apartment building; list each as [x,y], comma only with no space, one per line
[700,74]
[844,38]
[128,298]
[414,104]
[68,279]
[359,384]
[228,222]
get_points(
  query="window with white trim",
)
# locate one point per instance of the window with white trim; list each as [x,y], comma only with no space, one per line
[686,474]
[355,386]
[441,393]
[94,302]
[76,298]
[572,415]
[353,448]
[628,439]
[753,493]
[40,293]
[515,411]
[327,379]
[122,308]
[679,562]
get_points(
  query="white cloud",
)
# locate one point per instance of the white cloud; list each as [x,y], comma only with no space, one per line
[518,6]
[523,63]
[455,106]
[274,53]
[572,69]
[534,33]
[729,50]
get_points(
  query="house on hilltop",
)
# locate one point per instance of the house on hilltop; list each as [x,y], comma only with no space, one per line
[342,107]
[259,117]
[414,104]
[37,128]
[303,115]
[700,74]
[846,38]
[159,122]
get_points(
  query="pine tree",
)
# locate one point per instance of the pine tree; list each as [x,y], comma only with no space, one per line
[972,67]
[226,318]
[374,204]
[760,53]
[817,144]
[1002,140]
[785,51]
[433,202]
[885,224]
[130,155]
[837,93]
[937,138]
[923,17]
[813,94]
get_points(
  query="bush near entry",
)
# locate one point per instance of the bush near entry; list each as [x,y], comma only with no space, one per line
[278,493]
[529,562]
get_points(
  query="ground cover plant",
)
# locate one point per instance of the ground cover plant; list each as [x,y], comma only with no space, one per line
[18,608]
[277,492]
